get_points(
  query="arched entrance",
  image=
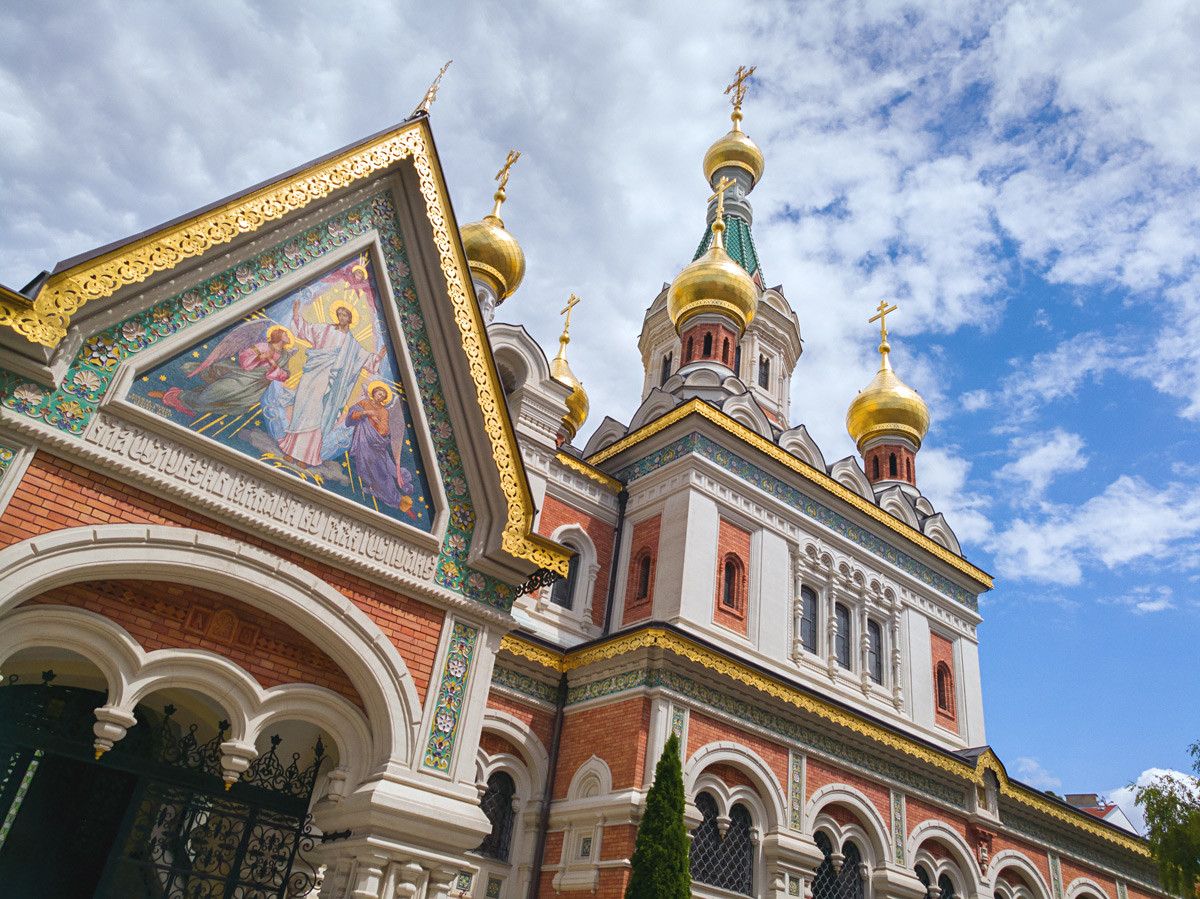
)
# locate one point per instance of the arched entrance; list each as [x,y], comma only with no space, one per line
[153,817]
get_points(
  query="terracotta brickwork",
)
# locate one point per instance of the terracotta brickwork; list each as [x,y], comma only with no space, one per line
[616,733]
[179,616]
[733,545]
[877,463]
[916,812]
[942,651]
[729,775]
[1002,842]
[643,544]
[616,845]
[1071,871]
[723,347]
[818,774]
[56,494]
[494,744]
[537,720]
[703,730]
[556,514]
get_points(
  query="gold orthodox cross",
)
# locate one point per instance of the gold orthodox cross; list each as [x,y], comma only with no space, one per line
[502,175]
[431,94]
[571,304]
[881,317]
[738,88]
[723,185]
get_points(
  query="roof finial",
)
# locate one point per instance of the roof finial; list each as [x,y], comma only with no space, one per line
[881,317]
[565,338]
[718,224]
[431,94]
[502,177]
[738,89]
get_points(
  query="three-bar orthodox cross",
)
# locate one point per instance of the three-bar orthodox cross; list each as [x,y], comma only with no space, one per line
[431,94]
[571,304]
[881,317]
[721,186]
[738,88]
[502,175]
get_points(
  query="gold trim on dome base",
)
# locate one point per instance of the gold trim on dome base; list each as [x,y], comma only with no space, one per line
[704,410]
[720,664]
[594,473]
[45,321]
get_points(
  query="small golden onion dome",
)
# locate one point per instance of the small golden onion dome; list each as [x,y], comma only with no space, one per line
[577,402]
[714,283]
[735,148]
[887,408]
[493,254]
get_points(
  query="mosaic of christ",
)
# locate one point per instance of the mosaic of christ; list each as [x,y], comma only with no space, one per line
[309,385]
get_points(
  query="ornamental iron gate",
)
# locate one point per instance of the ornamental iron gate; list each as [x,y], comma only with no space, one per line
[150,819]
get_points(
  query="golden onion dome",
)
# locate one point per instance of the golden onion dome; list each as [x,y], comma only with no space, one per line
[887,408]
[714,283]
[493,254]
[735,149]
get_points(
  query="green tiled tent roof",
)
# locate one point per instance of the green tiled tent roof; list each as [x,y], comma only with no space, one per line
[739,244]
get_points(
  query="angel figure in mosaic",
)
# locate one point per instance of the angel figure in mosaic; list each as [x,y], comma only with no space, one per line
[377,446]
[332,367]
[234,376]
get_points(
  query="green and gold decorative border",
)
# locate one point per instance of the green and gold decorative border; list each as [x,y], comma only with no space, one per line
[447,714]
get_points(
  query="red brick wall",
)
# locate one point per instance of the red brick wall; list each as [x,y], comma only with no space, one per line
[56,494]
[643,541]
[720,333]
[905,461]
[729,775]
[916,812]
[177,616]
[617,844]
[538,721]
[555,514]
[494,744]
[615,733]
[703,730]
[818,774]
[943,651]
[1001,842]
[1070,871]
[732,541]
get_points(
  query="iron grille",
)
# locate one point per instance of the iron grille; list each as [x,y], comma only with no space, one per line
[946,886]
[725,861]
[497,805]
[844,884]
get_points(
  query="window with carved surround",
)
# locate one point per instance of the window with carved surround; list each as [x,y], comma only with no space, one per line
[831,882]
[723,861]
[874,651]
[808,619]
[563,592]
[841,642]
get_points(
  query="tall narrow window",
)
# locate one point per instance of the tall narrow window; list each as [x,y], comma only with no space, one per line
[643,586]
[563,591]
[666,370]
[946,885]
[875,467]
[691,350]
[892,465]
[808,619]
[908,466]
[708,345]
[841,643]
[725,351]
[725,861]
[497,804]
[874,652]
[737,360]
[729,592]
[764,371]
[945,688]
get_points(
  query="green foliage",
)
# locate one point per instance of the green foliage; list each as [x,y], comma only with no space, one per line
[660,855]
[1172,808]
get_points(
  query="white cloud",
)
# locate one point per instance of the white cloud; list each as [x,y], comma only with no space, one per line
[1030,771]
[944,476]
[1124,796]
[1040,459]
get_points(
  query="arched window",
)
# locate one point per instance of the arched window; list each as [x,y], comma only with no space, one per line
[841,643]
[892,465]
[764,371]
[497,804]
[922,876]
[666,370]
[725,351]
[708,345]
[808,619]
[563,591]
[844,884]
[945,688]
[874,652]
[725,862]
[690,350]
[643,584]
[737,360]
[731,583]
[875,467]
[908,468]
[946,885]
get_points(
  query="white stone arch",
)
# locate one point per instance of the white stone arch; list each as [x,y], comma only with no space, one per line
[592,780]
[745,410]
[587,571]
[1012,858]
[520,735]
[962,868]
[935,528]
[657,403]
[251,575]
[1081,886]
[870,827]
[800,444]
[895,501]
[771,802]
[134,674]
[849,474]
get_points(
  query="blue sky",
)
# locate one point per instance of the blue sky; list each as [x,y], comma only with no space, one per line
[1020,178]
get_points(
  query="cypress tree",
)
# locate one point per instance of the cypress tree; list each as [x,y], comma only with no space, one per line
[660,855]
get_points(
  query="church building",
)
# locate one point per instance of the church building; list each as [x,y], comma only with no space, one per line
[310,584]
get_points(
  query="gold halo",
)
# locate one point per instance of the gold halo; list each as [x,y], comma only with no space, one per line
[271,332]
[371,388]
[342,304]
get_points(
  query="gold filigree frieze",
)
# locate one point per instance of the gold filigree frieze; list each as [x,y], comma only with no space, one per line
[536,654]
[588,471]
[723,421]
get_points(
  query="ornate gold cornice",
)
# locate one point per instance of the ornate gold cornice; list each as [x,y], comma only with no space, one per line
[587,470]
[723,421]
[545,657]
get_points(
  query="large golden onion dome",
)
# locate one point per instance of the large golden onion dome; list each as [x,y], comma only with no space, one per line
[736,149]
[493,254]
[887,407]
[577,402]
[714,283]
